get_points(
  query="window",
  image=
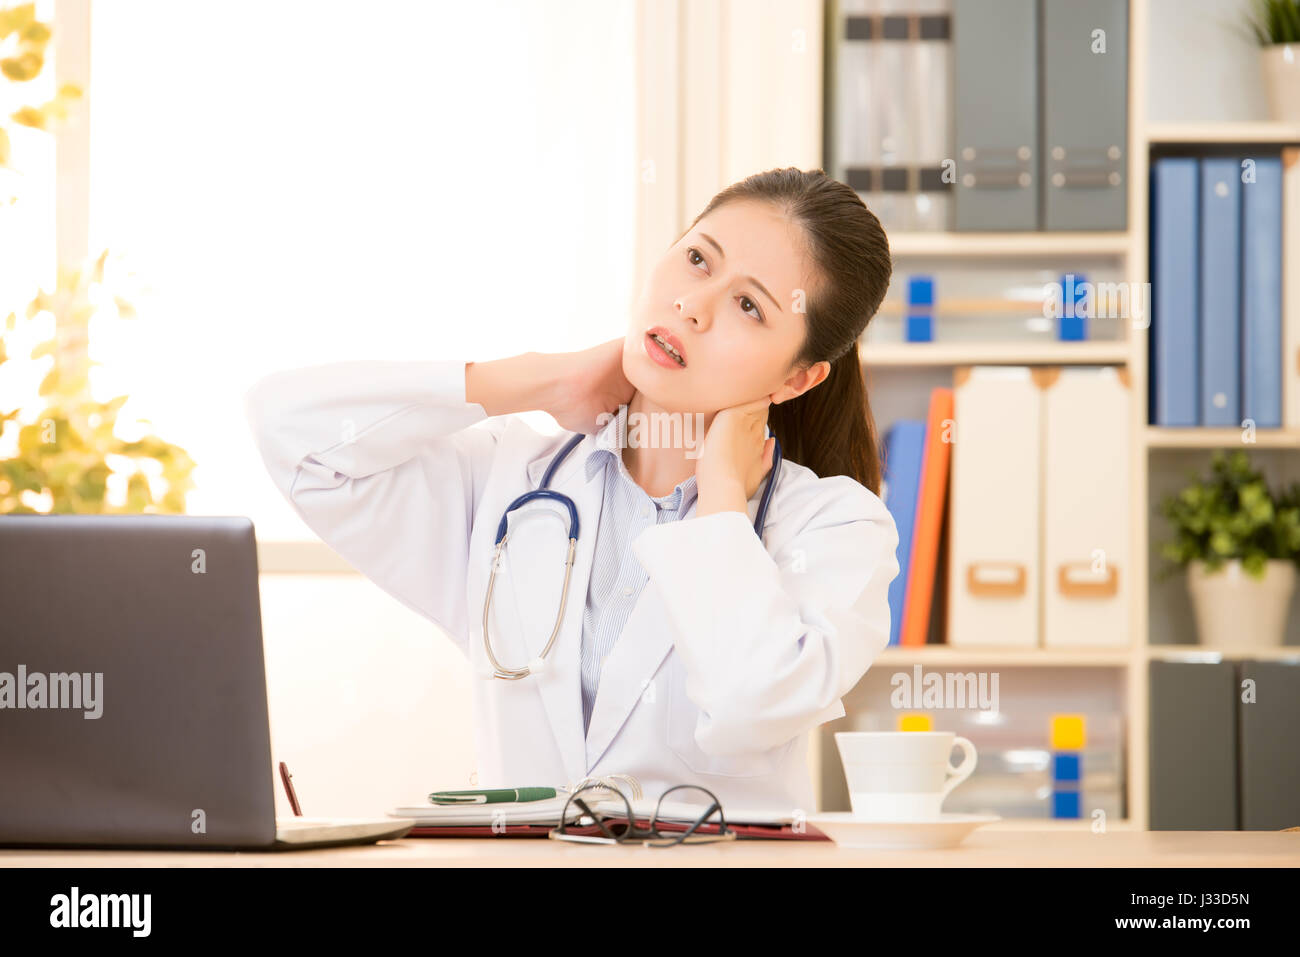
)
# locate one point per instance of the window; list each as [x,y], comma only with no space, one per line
[27,251]
[309,182]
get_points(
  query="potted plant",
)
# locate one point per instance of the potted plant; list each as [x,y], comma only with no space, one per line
[1276,25]
[1240,545]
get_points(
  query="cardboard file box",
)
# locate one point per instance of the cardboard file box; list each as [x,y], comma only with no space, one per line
[1085,501]
[993,578]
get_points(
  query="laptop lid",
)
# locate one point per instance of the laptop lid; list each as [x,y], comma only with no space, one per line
[133,703]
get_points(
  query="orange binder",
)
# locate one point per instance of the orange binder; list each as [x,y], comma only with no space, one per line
[929,520]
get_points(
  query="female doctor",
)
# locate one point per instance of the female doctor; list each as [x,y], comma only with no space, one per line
[688,649]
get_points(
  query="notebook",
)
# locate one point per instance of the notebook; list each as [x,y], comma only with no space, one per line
[538,818]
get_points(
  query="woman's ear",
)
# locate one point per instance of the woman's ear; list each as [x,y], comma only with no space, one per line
[801,382]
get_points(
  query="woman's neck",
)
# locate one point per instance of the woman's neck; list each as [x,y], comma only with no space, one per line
[659,462]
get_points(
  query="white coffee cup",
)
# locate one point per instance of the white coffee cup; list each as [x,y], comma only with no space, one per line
[902,775]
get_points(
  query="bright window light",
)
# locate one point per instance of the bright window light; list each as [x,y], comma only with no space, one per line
[300,183]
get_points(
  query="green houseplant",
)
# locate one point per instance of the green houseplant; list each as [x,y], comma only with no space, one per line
[1276,27]
[1240,545]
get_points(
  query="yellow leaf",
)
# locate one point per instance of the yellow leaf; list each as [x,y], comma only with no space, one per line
[69,91]
[174,502]
[124,309]
[29,116]
[99,266]
[4,146]
[36,33]
[138,493]
[17,18]
[22,68]
[45,348]
[54,109]
[11,321]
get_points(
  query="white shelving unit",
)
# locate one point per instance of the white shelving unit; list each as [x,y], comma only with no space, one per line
[985,353]
[1129,250]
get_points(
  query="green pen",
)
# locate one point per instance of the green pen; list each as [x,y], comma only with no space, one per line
[491,796]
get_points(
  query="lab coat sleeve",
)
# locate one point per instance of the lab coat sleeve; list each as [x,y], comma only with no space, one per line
[378,458]
[771,642]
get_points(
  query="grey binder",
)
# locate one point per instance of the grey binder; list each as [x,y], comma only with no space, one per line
[1085,114]
[995,102]
[1193,746]
[1269,758]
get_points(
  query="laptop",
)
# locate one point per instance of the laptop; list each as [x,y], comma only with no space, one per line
[133,705]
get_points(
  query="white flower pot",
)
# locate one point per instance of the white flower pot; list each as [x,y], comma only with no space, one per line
[1236,611]
[1281,66]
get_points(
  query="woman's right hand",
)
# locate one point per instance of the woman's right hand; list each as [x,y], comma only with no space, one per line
[586,384]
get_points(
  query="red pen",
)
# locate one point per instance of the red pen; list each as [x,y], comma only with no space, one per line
[287,778]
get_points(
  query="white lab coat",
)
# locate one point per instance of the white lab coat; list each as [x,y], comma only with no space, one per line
[733,653]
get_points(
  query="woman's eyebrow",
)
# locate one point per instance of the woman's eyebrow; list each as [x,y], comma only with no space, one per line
[714,242]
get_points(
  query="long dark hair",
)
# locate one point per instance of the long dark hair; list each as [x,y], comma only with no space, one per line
[829,428]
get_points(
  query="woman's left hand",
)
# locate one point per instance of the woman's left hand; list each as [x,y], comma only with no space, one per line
[734,457]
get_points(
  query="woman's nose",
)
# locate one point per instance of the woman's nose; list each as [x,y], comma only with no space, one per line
[691,313]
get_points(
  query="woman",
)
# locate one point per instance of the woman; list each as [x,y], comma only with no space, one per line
[690,651]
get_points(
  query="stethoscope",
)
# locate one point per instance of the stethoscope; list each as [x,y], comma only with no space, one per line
[536,666]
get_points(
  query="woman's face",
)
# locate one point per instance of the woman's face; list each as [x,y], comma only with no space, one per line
[730,296]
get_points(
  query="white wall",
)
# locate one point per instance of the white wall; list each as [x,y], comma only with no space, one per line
[1203,63]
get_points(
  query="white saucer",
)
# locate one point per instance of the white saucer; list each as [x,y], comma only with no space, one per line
[947,830]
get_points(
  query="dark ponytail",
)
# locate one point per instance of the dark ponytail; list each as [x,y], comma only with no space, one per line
[829,428]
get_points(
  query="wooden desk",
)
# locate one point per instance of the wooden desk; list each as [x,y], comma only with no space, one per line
[993,846]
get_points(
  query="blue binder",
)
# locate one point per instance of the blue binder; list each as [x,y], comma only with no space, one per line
[1175,339]
[904,452]
[1261,295]
[1220,292]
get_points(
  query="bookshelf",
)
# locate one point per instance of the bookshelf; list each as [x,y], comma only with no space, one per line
[976,245]
[1256,134]
[1127,664]
[992,353]
[1165,438]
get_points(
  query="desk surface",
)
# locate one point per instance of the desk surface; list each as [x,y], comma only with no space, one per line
[987,847]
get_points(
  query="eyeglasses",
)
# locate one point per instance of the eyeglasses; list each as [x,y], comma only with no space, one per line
[631,833]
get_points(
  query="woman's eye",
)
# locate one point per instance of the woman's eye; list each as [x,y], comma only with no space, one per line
[692,253]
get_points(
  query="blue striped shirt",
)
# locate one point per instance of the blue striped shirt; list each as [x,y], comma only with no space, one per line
[616,576]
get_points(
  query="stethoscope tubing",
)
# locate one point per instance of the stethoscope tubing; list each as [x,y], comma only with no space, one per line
[543,492]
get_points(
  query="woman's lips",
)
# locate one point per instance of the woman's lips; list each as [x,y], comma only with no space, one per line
[657,353]
[672,341]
